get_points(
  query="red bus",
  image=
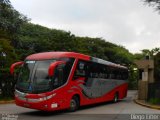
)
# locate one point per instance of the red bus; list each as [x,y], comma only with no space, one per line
[52,81]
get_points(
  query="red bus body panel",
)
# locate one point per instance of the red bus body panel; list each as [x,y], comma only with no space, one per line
[64,96]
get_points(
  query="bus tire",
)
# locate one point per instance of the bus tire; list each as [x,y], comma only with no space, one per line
[74,104]
[116,97]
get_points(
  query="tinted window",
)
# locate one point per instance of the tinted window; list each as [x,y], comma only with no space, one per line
[81,69]
[62,72]
[96,70]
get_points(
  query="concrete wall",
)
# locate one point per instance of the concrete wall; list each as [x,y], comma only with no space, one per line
[142,90]
[147,77]
[141,64]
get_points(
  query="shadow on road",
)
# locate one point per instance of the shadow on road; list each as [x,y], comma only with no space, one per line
[44,113]
[65,112]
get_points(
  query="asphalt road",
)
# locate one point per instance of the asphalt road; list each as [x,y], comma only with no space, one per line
[124,110]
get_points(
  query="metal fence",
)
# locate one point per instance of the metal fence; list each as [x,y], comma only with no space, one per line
[154,90]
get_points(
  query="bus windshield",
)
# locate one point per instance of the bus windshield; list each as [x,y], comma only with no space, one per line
[33,76]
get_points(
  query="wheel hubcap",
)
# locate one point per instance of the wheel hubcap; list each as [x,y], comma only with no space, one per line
[73,104]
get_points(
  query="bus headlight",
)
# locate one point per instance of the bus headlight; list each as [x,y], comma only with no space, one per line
[41,99]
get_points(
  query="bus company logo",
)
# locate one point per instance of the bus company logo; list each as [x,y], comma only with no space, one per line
[9,117]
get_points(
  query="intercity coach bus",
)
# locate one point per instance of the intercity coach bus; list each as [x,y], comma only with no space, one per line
[52,81]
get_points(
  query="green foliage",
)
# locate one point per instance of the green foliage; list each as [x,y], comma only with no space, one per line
[153,3]
[155,101]
[121,56]
[147,52]
[36,38]
[9,57]
[91,46]
[10,22]
[10,19]
[138,56]
[8,50]
[6,98]
[133,77]
[98,47]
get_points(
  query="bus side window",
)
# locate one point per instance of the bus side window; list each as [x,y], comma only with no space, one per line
[80,69]
[62,72]
[125,75]
[105,69]
[110,73]
[118,74]
[97,70]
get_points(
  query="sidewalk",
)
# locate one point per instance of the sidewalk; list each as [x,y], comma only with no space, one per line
[144,103]
[6,101]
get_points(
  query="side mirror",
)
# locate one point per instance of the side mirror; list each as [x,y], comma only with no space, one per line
[53,66]
[12,68]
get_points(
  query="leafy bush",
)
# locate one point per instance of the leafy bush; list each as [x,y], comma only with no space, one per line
[154,101]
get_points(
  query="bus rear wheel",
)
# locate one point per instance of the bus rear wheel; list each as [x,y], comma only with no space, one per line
[74,104]
[116,97]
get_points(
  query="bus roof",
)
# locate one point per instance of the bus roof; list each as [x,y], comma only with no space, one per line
[101,61]
[51,55]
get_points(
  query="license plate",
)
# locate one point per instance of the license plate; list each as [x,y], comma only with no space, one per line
[26,105]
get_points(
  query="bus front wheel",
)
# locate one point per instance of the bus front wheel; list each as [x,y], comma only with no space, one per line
[74,104]
[116,97]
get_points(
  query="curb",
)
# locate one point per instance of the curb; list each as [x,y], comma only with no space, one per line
[6,102]
[146,105]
